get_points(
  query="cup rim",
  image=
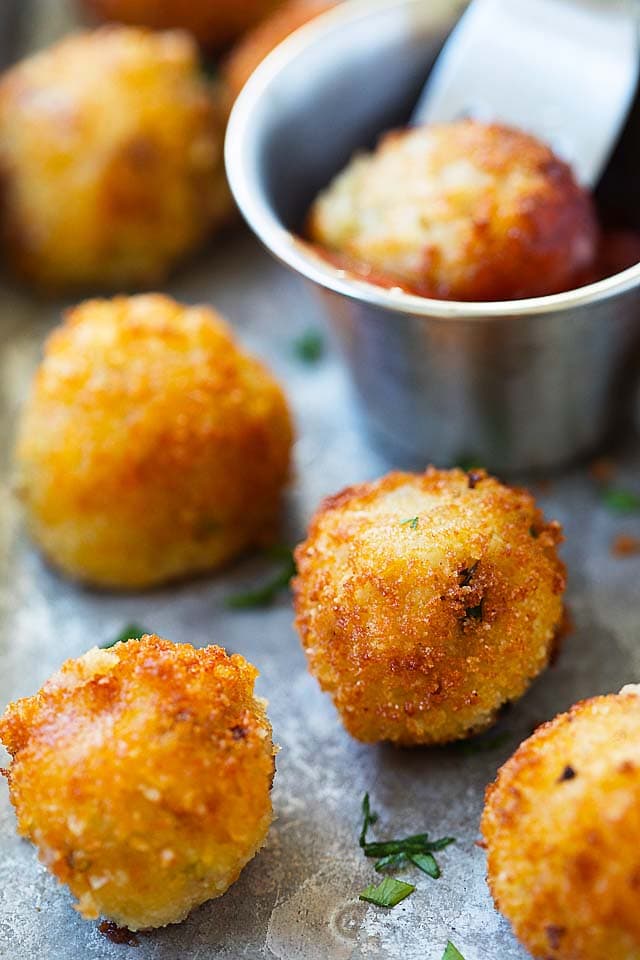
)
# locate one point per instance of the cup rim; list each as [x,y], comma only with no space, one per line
[296,253]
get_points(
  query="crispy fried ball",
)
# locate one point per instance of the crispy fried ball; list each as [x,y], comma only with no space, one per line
[426,601]
[143,774]
[562,828]
[110,158]
[254,47]
[151,446]
[213,22]
[460,211]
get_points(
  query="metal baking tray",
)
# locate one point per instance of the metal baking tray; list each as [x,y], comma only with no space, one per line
[298,899]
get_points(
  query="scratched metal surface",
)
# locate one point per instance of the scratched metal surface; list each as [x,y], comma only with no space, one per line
[298,899]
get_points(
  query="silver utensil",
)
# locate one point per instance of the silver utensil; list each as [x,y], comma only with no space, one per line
[563,70]
[514,385]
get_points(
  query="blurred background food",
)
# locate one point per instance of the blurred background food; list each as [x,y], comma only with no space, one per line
[249,52]
[111,154]
[214,23]
[151,446]
[426,601]
[143,775]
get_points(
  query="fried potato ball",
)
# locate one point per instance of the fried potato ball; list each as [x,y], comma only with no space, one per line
[212,22]
[251,50]
[110,158]
[142,774]
[151,446]
[459,211]
[562,829]
[426,601]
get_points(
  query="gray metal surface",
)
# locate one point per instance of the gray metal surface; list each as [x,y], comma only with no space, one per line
[519,385]
[298,899]
[533,65]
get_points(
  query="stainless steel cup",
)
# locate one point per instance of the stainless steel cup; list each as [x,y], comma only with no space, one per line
[513,385]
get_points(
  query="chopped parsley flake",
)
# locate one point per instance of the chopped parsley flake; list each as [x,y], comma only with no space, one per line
[427,863]
[474,613]
[419,843]
[411,522]
[392,862]
[132,631]
[389,893]
[567,774]
[467,574]
[309,347]
[451,952]
[417,849]
[368,817]
[621,501]
[266,593]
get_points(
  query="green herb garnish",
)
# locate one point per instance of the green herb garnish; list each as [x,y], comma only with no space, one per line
[474,613]
[265,594]
[132,631]
[411,522]
[483,744]
[389,893]
[417,849]
[451,952]
[309,347]
[419,843]
[467,574]
[393,862]
[423,861]
[368,817]
[427,863]
[621,501]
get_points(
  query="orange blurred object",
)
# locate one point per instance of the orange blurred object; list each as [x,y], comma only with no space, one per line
[213,23]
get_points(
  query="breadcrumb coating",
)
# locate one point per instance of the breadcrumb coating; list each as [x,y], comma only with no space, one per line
[151,446]
[459,211]
[562,829]
[426,601]
[111,160]
[212,22]
[142,774]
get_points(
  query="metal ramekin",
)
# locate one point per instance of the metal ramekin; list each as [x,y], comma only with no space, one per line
[513,385]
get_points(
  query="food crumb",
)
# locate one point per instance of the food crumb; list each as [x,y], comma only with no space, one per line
[624,545]
[117,934]
[602,470]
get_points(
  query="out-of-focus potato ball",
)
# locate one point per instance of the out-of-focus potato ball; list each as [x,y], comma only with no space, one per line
[562,828]
[460,211]
[111,158]
[143,774]
[426,601]
[254,47]
[151,446]
[213,22]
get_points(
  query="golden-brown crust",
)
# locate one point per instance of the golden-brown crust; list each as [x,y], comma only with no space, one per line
[151,446]
[111,159]
[251,50]
[562,828]
[212,22]
[426,601]
[465,211]
[142,774]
